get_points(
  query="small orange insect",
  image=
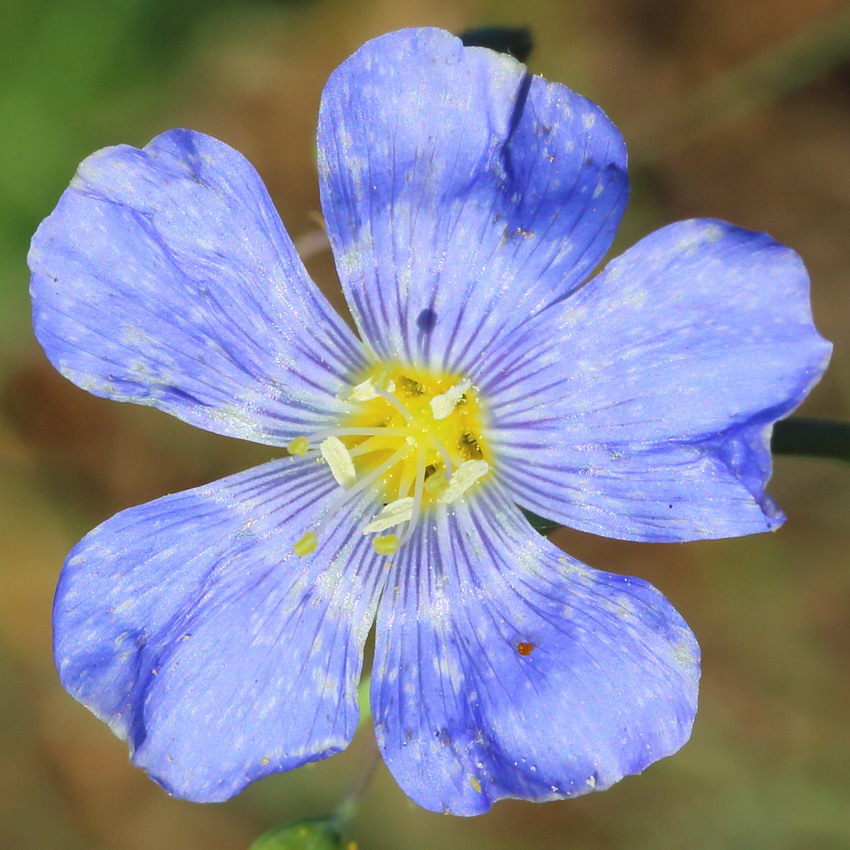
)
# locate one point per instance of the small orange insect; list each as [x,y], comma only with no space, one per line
[525,648]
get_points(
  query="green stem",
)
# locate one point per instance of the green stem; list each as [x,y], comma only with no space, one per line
[347,809]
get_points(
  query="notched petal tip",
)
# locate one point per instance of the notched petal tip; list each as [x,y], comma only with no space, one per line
[526,175]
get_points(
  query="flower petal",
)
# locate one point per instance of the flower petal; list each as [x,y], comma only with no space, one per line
[642,407]
[503,668]
[461,194]
[190,627]
[164,276]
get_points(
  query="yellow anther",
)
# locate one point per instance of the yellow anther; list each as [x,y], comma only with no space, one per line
[306,544]
[298,446]
[386,545]
[476,785]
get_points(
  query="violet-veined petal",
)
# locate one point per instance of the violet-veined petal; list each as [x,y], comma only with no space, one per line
[461,194]
[164,276]
[190,626]
[504,668]
[642,406]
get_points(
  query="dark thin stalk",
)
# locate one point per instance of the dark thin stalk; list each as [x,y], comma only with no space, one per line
[827,438]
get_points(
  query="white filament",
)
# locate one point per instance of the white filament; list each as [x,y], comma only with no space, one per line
[417,495]
[398,405]
[361,485]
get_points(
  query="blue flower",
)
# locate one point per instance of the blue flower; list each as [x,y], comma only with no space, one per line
[220,631]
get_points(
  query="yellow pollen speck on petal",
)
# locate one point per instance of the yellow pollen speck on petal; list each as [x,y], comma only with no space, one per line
[298,446]
[306,544]
[386,545]
[476,785]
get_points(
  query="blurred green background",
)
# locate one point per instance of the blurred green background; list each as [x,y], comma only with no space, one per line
[738,109]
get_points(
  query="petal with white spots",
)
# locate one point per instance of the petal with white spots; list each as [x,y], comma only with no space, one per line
[642,406]
[190,626]
[462,194]
[165,277]
[504,668]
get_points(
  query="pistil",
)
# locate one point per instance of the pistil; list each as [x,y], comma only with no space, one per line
[432,435]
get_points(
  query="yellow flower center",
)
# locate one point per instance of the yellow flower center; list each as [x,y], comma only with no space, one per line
[415,436]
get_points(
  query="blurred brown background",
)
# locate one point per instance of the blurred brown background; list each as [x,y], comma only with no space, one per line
[738,109]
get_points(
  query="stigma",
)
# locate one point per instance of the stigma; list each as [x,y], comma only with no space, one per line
[413,437]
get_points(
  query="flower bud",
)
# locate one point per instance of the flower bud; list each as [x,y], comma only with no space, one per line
[307,834]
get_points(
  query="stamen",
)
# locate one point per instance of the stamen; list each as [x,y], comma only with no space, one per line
[386,545]
[417,495]
[376,473]
[406,478]
[350,493]
[357,432]
[366,391]
[395,513]
[447,461]
[370,445]
[436,484]
[464,477]
[299,446]
[306,544]
[339,460]
[442,405]
[412,437]
[391,399]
